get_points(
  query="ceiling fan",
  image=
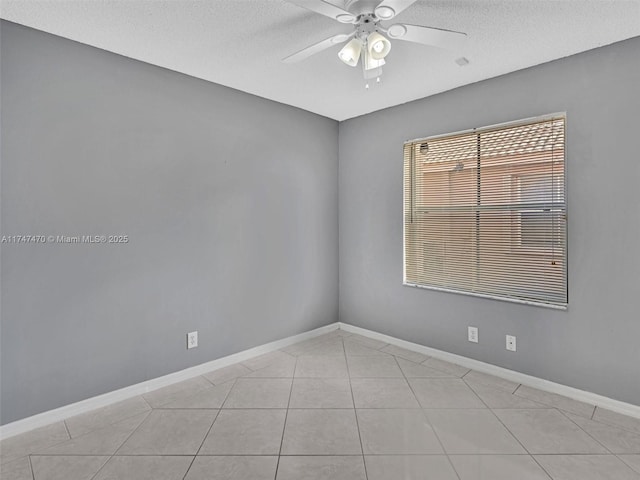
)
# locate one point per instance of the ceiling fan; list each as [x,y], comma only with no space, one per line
[367,41]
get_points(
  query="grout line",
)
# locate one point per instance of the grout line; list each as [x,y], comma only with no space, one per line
[618,426]
[226,397]
[125,441]
[212,384]
[517,387]
[521,444]
[507,429]
[286,415]
[617,455]
[355,412]
[541,466]
[33,475]
[132,432]
[474,392]
[66,427]
[424,414]
[145,401]
[204,439]
[565,414]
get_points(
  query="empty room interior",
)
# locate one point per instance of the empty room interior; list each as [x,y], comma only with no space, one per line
[319,240]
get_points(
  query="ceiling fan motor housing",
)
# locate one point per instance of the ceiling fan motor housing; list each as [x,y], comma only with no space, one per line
[367,24]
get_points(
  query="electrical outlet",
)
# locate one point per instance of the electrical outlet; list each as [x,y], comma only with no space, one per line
[473,334]
[192,340]
[511,343]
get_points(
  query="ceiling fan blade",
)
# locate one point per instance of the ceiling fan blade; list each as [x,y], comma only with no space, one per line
[435,37]
[390,8]
[318,47]
[327,9]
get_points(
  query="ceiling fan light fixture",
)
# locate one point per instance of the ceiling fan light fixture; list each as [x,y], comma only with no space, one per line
[350,53]
[371,63]
[397,31]
[340,38]
[385,13]
[378,46]
[346,18]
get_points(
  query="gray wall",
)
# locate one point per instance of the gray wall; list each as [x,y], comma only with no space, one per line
[229,201]
[594,345]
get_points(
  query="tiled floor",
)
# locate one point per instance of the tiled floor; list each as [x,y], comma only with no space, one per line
[338,407]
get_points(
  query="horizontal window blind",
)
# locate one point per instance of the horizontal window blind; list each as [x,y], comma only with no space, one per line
[485,212]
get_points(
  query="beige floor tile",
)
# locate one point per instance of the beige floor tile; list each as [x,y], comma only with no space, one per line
[474,432]
[321,393]
[341,333]
[145,468]
[444,393]
[496,398]
[212,397]
[586,467]
[557,401]
[22,445]
[170,432]
[300,348]
[321,367]
[614,439]
[321,432]
[491,381]
[374,367]
[497,467]
[396,432]
[330,348]
[416,370]
[259,393]
[104,441]
[447,367]
[548,431]
[223,375]
[367,342]
[383,393]
[103,417]
[245,432]
[412,467]
[321,468]
[353,348]
[404,353]
[233,468]
[262,361]
[280,369]
[19,469]
[62,467]
[177,391]
[632,460]
[617,419]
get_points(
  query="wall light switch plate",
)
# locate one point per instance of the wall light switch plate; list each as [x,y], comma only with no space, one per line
[192,340]
[511,343]
[473,334]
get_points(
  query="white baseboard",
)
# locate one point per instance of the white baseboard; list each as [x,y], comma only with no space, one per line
[522,378]
[62,413]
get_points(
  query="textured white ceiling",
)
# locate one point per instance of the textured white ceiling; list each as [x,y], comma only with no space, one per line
[239,43]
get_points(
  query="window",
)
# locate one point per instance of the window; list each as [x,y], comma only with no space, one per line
[485,212]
